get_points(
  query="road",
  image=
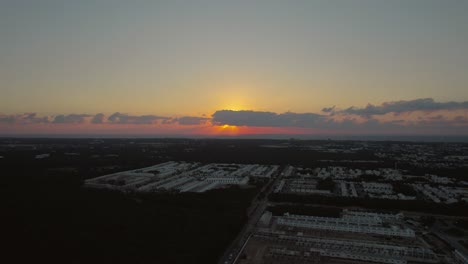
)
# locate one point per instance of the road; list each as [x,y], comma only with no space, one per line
[255,212]
[437,229]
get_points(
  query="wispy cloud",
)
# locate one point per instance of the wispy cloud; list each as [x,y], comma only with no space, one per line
[328,109]
[421,115]
[7,119]
[423,104]
[70,119]
[98,119]
[26,118]
[118,118]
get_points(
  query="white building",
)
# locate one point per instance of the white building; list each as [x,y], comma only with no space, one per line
[377,188]
[343,224]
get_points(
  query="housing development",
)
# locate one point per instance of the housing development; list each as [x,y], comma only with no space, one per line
[285,230]
[245,201]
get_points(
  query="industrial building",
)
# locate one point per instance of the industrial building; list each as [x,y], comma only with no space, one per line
[345,224]
[297,244]
[290,238]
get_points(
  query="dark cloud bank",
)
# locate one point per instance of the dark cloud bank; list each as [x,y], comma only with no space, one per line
[269,119]
[368,116]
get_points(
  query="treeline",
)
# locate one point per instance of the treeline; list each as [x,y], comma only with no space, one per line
[54,220]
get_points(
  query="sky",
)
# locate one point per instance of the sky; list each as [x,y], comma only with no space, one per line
[200,67]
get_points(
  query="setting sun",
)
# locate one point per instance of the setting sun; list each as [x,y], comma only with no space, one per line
[229,128]
[225,130]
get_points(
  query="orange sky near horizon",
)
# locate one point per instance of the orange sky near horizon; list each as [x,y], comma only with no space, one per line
[132,129]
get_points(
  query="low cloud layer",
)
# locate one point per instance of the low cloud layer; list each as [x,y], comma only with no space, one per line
[190,120]
[269,119]
[98,119]
[70,119]
[26,118]
[421,116]
[346,124]
[288,119]
[118,118]
[424,104]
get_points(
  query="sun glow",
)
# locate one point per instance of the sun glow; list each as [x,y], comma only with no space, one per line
[229,128]
[235,106]
[226,130]
[235,96]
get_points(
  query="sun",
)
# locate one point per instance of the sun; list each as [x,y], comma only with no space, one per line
[226,129]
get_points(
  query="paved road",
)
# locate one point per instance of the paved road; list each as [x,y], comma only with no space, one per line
[255,212]
[452,241]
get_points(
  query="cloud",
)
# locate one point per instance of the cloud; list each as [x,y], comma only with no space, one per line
[343,124]
[268,119]
[191,120]
[33,118]
[461,119]
[7,119]
[118,118]
[424,104]
[70,119]
[26,118]
[98,119]
[413,116]
[328,109]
